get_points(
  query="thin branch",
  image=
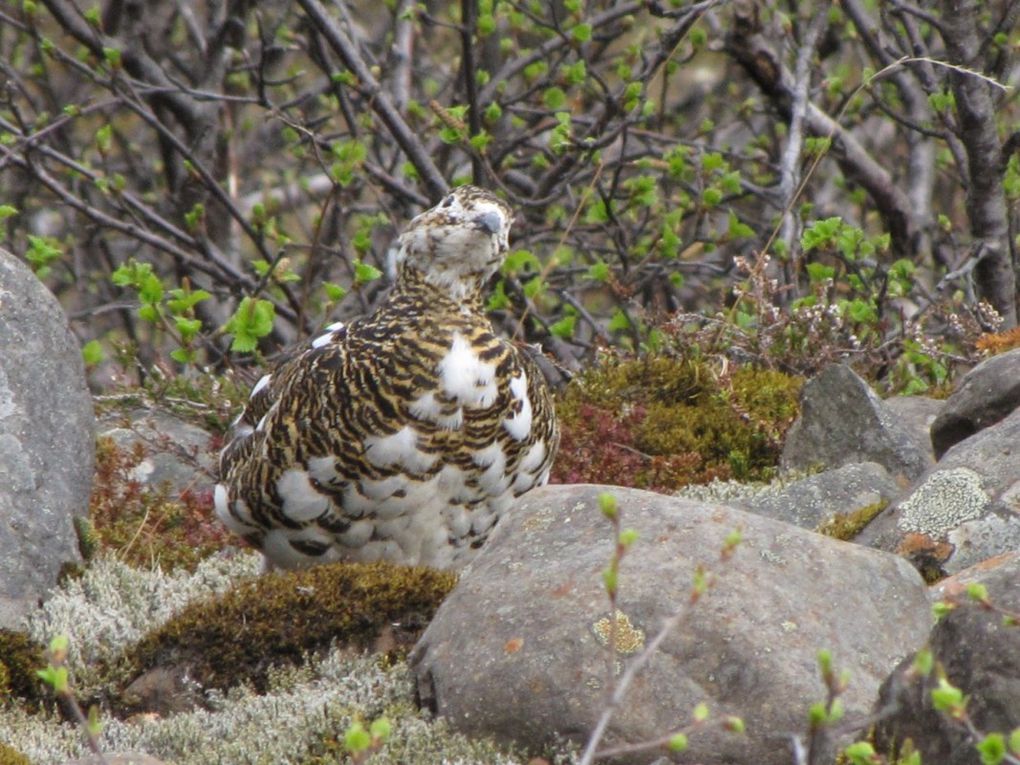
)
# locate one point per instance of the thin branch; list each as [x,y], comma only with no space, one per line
[380,102]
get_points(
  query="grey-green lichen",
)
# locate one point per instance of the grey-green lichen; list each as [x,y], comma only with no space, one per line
[946,499]
[299,720]
[290,725]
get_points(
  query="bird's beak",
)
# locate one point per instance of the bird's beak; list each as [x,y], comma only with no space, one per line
[490,221]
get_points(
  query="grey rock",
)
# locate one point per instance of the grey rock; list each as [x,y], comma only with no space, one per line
[964,510]
[986,394]
[842,421]
[916,414]
[176,454]
[46,440]
[824,498]
[518,650]
[980,655]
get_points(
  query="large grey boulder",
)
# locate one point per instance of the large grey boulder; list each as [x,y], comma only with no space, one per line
[987,394]
[962,511]
[519,650]
[46,440]
[843,421]
[979,653]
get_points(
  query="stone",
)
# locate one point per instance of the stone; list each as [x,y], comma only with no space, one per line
[833,496]
[986,394]
[963,510]
[916,414]
[177,454]
[46,440]
[842,421]
[979,654]
[519,650]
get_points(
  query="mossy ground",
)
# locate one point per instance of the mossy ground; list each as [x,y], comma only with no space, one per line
[662,422]
[20,657]
[280,618]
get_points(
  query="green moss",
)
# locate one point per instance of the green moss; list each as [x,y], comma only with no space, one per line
[660,422]
[846,526]
[280,618]
[9,756]
[20,657]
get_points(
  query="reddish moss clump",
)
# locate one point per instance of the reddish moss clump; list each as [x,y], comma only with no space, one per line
[660,423]
[142,525]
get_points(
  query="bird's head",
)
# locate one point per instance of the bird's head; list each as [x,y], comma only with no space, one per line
[459,243]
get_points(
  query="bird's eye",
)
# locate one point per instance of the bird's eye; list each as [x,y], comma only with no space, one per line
[448,201]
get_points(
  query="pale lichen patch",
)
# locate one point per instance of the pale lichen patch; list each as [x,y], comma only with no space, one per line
[946,499]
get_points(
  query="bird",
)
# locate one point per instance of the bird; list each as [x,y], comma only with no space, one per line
[403,435]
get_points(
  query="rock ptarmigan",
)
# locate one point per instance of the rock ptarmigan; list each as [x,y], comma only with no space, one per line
[405,435]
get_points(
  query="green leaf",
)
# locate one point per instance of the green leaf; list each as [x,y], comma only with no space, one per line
[992,749]
[924,662]
[564,327]
[598,271]
[498,300]
[534,287]
[104,138]
[334,292]
[380,729]
[92,353]
[184,300]
[183,355]
[1014,741]
[861,753]
[581,33]
[188,328]
[819,233]
[554,98]
[365,272]
[619,321]
[677,742]
[6,211]
[610,580]
[112,57]
[628,537]
[711,196]
[357,739]
[607,505]
[977,591]
[252,320]
[948,698]
[520,260]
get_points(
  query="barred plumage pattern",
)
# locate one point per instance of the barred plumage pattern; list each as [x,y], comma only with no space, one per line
[406,434]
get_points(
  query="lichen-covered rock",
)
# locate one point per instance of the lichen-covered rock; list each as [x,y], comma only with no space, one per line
[46,440]
[843,421]
[519,650]
[833,501]
[963,510]
[979,654]
[986,394]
